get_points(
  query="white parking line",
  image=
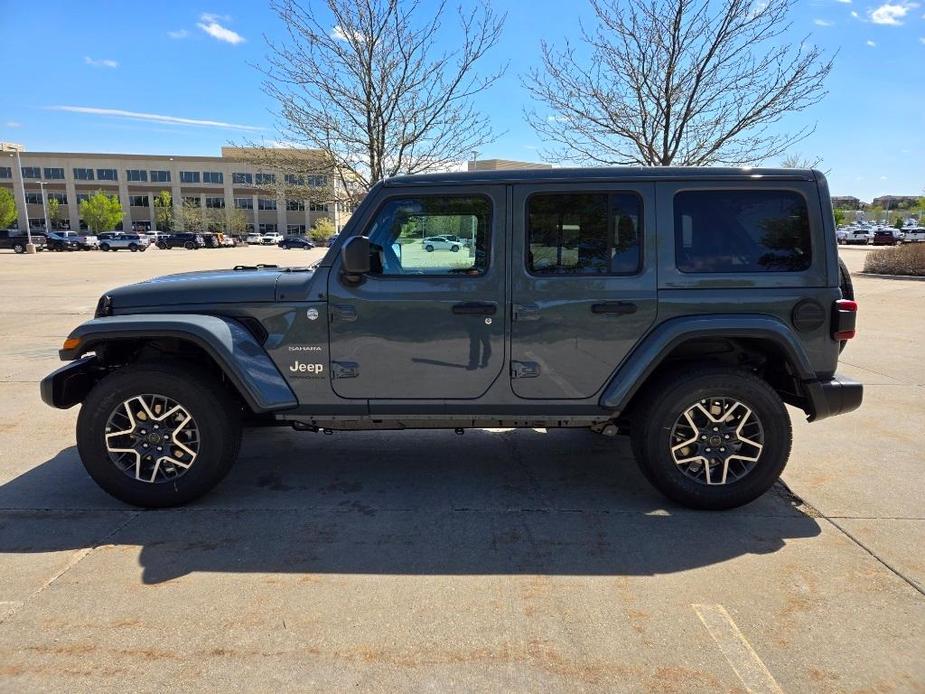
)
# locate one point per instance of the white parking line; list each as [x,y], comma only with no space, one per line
[738,651]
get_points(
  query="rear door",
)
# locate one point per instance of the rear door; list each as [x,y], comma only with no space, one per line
[583,284]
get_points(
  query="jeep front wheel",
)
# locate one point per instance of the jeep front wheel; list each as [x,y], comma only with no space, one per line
[157,436]
[714,438]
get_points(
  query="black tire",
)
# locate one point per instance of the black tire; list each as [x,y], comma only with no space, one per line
[429,248]
[104,246]
[189,245]
[847,291]
[455,249]
[665,401]
[133,247]
[212,408]
[59,247]
[19,248]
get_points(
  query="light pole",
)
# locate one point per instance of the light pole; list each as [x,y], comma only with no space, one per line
[30,247]
[44,205]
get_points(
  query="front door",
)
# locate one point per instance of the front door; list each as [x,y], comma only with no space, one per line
[428,321]
[583,284]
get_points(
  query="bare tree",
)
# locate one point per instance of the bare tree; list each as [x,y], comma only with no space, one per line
[684,82]
[367,83]
[796,160]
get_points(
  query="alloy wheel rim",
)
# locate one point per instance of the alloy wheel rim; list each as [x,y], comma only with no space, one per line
[717,441]
[152,438]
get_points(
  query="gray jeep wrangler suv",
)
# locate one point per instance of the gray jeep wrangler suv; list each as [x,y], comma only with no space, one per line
[683,307]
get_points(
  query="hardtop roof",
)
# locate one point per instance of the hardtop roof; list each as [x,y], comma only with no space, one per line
[620,173]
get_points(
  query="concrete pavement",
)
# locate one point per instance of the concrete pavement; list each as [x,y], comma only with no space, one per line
[520,560]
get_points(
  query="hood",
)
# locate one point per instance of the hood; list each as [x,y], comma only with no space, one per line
[248,285]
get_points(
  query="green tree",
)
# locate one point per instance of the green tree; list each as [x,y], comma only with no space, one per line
[322,230]
[841,215]
[192,217]
[7,208]
[54,212]
[235,221]
[898,224]
[101,212]
[163,211]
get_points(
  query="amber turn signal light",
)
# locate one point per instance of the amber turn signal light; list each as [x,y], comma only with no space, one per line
[71,343]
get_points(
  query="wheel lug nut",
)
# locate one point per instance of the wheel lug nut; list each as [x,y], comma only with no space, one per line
[726,436]
[703,437]
[144,445]
[722,450]
[715,428]
[708,450]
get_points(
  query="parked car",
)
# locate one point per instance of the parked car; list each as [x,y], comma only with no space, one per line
[85,242]
[296,242]
[181,239]
[440,243]
[913,234]
[271,238]
[524,333]
[125,241]
[884,237]
[210,240]
[253,238]
[62,241]
[452,238]
[856,235]
[17,240]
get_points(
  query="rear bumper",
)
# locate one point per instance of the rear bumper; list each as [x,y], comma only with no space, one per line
[70,384]
[833,397]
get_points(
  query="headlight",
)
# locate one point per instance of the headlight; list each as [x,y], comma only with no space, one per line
[103,306]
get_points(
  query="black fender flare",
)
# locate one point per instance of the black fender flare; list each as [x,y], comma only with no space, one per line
[658,344]
[235,350]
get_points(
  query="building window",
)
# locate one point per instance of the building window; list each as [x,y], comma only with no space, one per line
[138,200]
[106,175]
[135,175]
[191,200]
[33,198]
[248,228]
[31,172]
[267,228]
[742,231]
[295,179]
[158,176]
[82,196]
[37,223]
[244,203]
[189,177]
[295,229]
[83,174]
[6,172]
[54,174]
[584,233]
[318,206]
[212,177]
[317,181]
[266,203]
[266,179]
[215,203]
[296,205]
[60,197]
[242,178]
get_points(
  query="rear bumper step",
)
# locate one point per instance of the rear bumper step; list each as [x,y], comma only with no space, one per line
[833,397]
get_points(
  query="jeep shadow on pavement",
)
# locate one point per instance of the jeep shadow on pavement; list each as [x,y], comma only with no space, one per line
[682,307]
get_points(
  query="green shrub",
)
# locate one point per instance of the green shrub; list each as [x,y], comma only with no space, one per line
[322,230]
[904,260]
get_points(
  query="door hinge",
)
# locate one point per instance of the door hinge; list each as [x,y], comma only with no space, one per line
[524,369]
[344,369]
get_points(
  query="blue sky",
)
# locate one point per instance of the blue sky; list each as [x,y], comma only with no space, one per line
[187,62]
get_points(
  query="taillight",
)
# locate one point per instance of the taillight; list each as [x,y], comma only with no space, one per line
[844,320]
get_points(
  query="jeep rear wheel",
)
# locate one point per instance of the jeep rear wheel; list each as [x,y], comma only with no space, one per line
[714,438]
[157,436]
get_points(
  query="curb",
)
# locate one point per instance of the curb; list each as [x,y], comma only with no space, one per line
[916,278]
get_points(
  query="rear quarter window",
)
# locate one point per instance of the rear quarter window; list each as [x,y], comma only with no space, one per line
[733,231]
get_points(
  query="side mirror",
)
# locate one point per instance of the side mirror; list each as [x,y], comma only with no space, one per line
[355,256]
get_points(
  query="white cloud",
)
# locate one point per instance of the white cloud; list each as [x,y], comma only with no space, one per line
[922,39]
[844,2]
[209,23]
[872,44]
[178,34]
[855,14]
[13,124]
[891,13]
[339,34]
[822,22]
[153,117]
[103,62]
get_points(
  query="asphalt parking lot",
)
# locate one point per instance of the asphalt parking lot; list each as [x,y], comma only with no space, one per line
[498,560]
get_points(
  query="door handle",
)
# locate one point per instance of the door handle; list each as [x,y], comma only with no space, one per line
[475,308]
[615,308]
[524,312]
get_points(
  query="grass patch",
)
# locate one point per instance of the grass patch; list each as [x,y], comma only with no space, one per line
[902,260]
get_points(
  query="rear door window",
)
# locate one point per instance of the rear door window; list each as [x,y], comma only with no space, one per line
[726,231]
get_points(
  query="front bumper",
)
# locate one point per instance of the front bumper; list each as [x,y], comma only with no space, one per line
[833,397]
[70,384]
